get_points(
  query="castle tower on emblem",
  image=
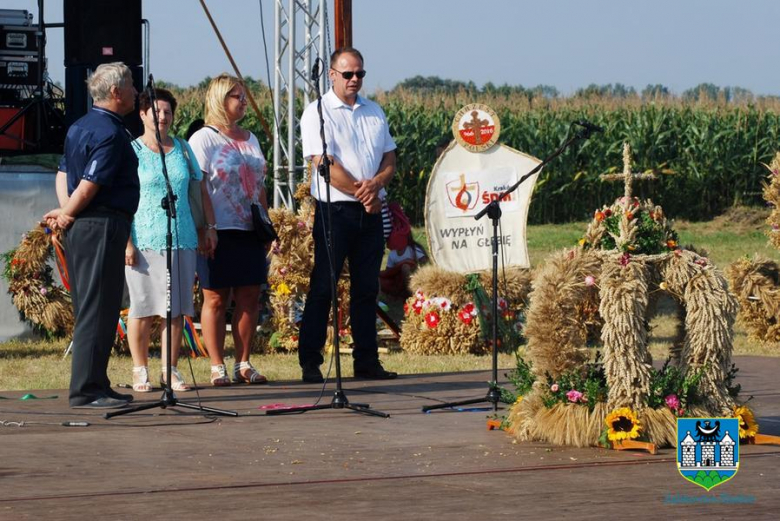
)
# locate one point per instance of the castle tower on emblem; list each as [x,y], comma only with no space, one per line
[688,451]
[727,451]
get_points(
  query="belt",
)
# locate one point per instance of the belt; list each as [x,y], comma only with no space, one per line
[347,204]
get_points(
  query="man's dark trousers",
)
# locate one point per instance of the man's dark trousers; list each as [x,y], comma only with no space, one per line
[95,252]
[357,237]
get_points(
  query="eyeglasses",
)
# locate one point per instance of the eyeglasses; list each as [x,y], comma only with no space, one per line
[349,74]
[240,97]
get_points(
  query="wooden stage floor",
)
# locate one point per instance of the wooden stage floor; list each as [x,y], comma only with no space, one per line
[176,464]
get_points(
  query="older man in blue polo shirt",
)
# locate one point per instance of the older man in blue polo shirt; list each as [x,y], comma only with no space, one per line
[101,171]
[362,153]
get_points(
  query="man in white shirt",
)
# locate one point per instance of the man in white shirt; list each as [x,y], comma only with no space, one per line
[362,156]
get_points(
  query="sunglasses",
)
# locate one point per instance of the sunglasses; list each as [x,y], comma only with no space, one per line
[240,97]
[349,74]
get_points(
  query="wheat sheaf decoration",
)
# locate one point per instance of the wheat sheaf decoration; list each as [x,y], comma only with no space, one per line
[449,312]
[597,299]
[41,301]
[756,280]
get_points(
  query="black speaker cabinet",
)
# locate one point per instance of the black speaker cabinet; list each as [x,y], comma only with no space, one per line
[102,31]
[77,100]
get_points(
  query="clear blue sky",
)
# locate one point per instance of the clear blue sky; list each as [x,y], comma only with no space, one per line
[564,43]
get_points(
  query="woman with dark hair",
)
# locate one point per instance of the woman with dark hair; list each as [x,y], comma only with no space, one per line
[145,261]
[234,170]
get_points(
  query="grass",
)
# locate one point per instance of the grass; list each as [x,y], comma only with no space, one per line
[40,365]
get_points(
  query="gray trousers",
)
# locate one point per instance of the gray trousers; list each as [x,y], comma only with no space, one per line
[95,252]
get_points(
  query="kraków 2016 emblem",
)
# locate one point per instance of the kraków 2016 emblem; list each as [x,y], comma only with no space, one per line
[476,127]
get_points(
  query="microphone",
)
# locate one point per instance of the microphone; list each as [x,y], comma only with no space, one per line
[149,87]
[590,127]
[315,71]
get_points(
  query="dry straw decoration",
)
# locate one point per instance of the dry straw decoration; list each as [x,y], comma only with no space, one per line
[39,299]
[756,280]
[441,317]
[614,289]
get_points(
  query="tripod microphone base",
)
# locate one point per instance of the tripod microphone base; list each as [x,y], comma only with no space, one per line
[168,399]
[339,401]
[493,396]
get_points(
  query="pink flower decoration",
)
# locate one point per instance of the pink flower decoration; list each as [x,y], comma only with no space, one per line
[625,259]
[554,388]
[44,291]
[672,401]
[590,280]
[301,225]
[417,306]
[432,319]
[574,396]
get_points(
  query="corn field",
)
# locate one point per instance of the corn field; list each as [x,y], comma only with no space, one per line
[707,155]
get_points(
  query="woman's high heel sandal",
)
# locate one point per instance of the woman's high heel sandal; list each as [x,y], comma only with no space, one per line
[141,380]
[177,380]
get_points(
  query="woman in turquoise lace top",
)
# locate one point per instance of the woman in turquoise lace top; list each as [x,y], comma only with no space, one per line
[145,269]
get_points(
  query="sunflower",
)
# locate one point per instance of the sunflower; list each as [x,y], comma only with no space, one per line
[622,424]
[748,428]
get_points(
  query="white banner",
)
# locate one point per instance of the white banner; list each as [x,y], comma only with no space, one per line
[461,185]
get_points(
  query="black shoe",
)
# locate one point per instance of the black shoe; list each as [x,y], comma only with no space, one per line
[375,372]
[105,402]
[312,375]
[119,396]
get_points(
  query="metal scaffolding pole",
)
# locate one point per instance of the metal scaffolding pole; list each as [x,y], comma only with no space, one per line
[293,59]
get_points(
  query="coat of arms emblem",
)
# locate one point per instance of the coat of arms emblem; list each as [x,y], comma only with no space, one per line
[708,450]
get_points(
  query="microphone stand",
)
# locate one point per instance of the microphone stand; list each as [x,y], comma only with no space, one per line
[339,400]
[168,203]
[493,211]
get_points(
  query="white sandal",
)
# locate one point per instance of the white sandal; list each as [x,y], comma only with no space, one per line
[177,380]
[252,376]
[141,380]
[219,377]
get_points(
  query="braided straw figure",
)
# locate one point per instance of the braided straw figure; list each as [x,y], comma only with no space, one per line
[756,283]
[291,262]
[38,298]
[557,329]
[627,362]
[442,315]
[709,324]
[772,196]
